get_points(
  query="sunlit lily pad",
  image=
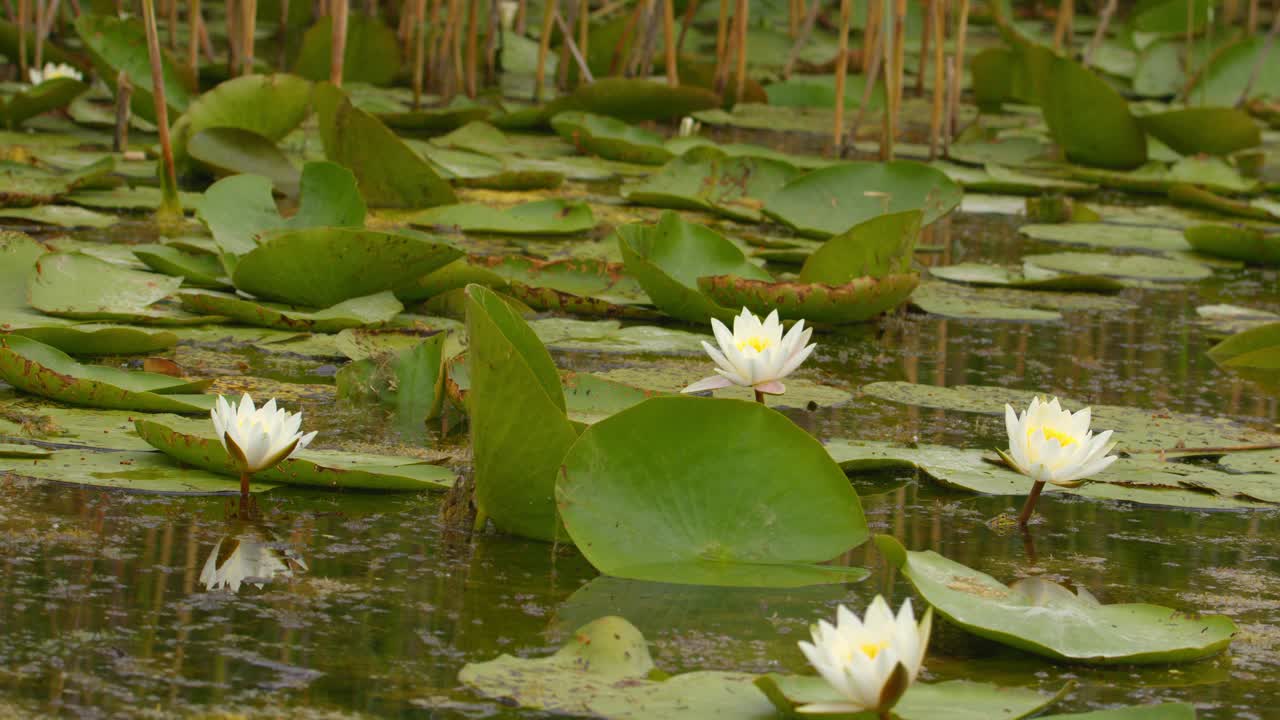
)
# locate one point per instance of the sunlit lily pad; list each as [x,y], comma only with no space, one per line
[36,368]
[95,339]
[831,200]
[321,267]
[141,472]
[760,501]
[542,217]
[367,311]
[1129,267]
[27,452]
[611,138]
[195,443]
[669,258]
[1047,619]
[605,671]
[707,179]
[954,699]
[78,286]
[519,431]
[984,275]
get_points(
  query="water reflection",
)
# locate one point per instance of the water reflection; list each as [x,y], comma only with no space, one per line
[249,556]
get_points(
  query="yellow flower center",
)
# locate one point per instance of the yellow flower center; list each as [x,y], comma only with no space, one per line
[870,649]
[1053,434]
[755,342]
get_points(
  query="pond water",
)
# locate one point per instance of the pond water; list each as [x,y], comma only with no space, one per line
[103,611]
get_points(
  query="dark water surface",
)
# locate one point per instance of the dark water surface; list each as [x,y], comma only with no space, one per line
[103,611]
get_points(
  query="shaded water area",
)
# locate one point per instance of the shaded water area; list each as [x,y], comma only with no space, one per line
[103,612]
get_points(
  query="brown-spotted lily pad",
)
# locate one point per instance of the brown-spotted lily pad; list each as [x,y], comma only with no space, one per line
[856,301]
[370,310]
[578,286]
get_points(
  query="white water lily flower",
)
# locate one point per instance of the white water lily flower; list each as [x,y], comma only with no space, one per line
[870,662]
[247,559]
[507,10]
[688,127]
[51,72]
[1049,444]
[756,354]
[258,439]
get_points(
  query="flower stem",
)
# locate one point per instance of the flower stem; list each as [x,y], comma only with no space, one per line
[886,715]
[759,397]
[1030,507]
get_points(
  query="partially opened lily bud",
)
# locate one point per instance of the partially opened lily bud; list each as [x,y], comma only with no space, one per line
[756,354]
[51,72]
[258,438]
[870,662]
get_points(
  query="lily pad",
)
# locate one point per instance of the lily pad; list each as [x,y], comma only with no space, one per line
[608,336]
[1049,620]
[1236,242]
[708,179]
[269,106]
[371,54]
[856,301]
[140,472]
[238,209]
[994,178]
[1107,135]
[611,138]
[79,286]
[321,267]
[1227,73]
[876,248]
[120,45]
[984,275]
[49,95]
[94,339]
[519,431]
[67,216]
[541,217]
[1130,267]
[1127,237]
[229,151]
[668,259]
[1211,130]
[24,185]
[1254,354]
[197,270]
[830,200]
[27,452]
[760,501]
[389,172]
[411,382]
[577,286]
[368,311]
[633,100]
[605,671]
[953,699]
[36,368]
[195,443]
[672,376]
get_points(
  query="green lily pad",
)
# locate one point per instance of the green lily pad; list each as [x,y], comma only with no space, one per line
[856,301]
[605,671]
[321,267]
[830,200]
[611,138]
[672,376]
[411,382]
[1107,135]
[1211,130]
[24,185]
[41,370]
[1046,619]
[67,216]
[1254,354]
[1210,172]
[1235,242]
[371,54]
[1162,711]
[708,179]
[954,699]
[269,106]
[1130,267]
[1226,74]
[389,172]
[577,286]
[519,431]
[140,472]
[196,270]
[1126,237]
[984,275]
[760,501]
[230,151]
[49,95]
[120,45]
[94,339]
[28,419]
[541,217]
[368,311]
[994,178]
[195,443]
[632,100]
[79,286]
[608,336]
[238,209]
[449,117]
[1192,196]
[26,452]
[668,259]
[1135,429]
[875,248]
